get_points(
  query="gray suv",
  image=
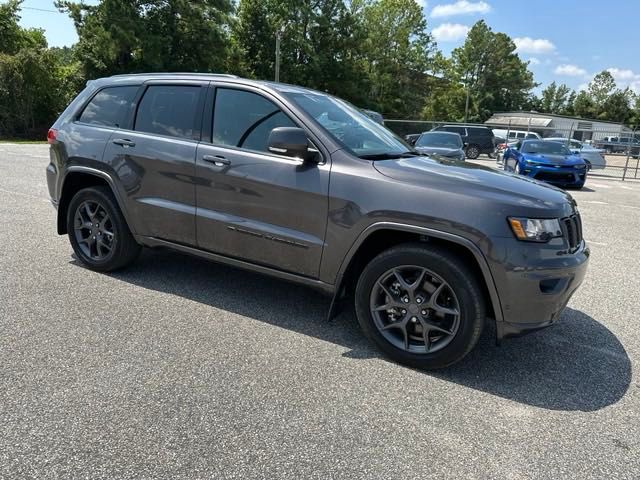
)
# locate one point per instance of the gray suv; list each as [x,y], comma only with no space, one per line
[301,185]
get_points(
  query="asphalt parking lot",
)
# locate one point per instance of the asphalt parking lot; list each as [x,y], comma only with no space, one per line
[178,368]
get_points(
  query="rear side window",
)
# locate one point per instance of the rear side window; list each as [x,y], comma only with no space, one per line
[109,107]
[481,132]
[245,119]
[169,110]
[459,130]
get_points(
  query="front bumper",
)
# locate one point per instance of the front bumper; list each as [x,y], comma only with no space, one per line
[534,291]
[565,176]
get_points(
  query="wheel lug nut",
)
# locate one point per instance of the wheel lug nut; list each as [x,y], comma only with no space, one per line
[418,300]
[405,300]
[423,312]
[414,319]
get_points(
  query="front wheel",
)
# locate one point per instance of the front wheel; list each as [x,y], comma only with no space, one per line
[420,305]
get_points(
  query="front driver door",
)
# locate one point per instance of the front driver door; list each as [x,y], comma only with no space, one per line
[253,204]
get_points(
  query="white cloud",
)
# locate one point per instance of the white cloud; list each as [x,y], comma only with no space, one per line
[626,78]
[534,61]
[583,86]
[533,45]
[570,70]
[422,3]
[461,7]
[450,32]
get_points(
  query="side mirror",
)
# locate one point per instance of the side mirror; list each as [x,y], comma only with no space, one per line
[291,142]
[466,144]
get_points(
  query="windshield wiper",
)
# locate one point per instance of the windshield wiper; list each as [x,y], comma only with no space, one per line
[389,155]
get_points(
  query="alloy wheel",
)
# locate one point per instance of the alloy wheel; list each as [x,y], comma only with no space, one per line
[93,230]
[415,309]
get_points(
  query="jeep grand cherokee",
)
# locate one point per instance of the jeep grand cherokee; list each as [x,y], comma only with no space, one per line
[301,185]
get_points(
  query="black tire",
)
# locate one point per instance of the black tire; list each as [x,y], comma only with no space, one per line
[124,249]
[459,278]
[472,152]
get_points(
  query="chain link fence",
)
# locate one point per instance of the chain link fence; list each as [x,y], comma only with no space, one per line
[612,149]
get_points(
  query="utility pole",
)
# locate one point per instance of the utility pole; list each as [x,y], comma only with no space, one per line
[278,40]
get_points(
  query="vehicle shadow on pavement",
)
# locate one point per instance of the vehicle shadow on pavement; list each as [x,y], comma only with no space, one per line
[577,364]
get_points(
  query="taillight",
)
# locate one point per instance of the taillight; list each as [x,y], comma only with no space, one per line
[51,135]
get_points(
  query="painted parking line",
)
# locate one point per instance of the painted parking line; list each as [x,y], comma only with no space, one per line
[599,185]
[592,242]
[595,202]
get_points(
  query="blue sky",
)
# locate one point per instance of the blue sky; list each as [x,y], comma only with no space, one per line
[565,40]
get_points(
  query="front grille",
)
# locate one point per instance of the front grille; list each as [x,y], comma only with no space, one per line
[555,177]
[573,230]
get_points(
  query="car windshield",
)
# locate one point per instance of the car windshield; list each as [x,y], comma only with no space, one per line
[439,139]
[355,130]
[551,148]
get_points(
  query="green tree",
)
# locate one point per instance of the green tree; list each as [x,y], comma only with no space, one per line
[555,98]
[583,106]
[492,72]
[399,56]
[602,85]
[320,42]
[34,81]
[121,36]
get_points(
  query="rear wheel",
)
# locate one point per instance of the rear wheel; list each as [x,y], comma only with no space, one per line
[98,231]
[420,305]
[472,152]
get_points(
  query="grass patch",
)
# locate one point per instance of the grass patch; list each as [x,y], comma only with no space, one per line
[22,140]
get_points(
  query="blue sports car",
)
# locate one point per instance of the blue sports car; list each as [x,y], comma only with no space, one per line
[551,162]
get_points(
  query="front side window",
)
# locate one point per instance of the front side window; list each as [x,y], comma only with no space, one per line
[110,107]
[244,119]
[168,110]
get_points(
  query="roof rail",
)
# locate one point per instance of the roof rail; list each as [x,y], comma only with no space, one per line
[194,74]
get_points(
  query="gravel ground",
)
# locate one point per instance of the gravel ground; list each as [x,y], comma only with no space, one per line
[178,368]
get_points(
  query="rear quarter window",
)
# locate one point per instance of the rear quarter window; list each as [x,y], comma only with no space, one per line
[109,107]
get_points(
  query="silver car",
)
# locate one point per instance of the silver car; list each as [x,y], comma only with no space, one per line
[593,156]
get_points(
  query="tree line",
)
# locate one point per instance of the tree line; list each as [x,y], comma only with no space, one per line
[378,54]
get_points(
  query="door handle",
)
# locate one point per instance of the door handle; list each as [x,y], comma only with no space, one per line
[217,160]
[124,142]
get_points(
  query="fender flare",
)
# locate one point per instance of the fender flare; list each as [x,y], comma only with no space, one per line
[96,173]
[429,232]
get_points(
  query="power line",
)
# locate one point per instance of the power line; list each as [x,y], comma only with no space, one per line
[40,9]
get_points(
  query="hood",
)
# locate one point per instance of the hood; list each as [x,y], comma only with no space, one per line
[515,193]
[444,151]
[548,159]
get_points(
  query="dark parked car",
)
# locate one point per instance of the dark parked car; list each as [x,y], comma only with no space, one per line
[444,144]
[478,139]
[300,185]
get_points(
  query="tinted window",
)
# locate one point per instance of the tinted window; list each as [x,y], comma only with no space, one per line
[459,130]
[480,132]
[551,148]
[168,110]
[244,119]
[520,135]
[435,139]
[109,107]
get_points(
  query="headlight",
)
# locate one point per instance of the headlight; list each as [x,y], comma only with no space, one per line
[535,229]
[531,163]
[580,167]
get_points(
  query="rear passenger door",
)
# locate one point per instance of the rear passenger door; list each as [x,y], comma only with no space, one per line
[155,159]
